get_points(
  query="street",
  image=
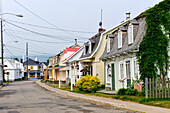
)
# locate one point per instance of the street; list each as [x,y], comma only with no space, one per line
[28,97]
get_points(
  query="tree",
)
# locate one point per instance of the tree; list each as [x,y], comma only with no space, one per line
[153,51]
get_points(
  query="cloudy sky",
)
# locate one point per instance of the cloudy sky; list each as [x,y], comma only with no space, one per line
[49,26]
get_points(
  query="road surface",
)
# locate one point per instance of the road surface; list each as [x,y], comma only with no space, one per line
[28,97]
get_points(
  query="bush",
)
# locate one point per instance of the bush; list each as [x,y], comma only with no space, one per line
[121,91]
[88,83]
[131,92]
[142,93]
[102,86]
[69,83]
[127,92]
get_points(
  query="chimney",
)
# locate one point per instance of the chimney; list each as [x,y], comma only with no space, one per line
[75,41]
[100,30]
[36,59]
[127,15]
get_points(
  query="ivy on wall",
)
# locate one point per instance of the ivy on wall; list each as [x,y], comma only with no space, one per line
[153,50]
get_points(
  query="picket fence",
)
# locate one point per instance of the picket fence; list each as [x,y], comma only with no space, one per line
[157,88]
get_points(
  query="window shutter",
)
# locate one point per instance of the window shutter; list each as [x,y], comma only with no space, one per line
[108,45]
[130,34]
[119,39]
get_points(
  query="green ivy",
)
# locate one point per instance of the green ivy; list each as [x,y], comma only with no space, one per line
[153,50]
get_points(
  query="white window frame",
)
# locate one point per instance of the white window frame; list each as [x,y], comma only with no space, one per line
[119,38]
[108,44]
[84,50]
[130,33]
[136,68]
[121,63]
[90,46]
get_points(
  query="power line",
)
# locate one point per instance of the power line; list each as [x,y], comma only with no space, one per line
[42,34]
[46,27]
[10,52]
[41,41]
[43,19]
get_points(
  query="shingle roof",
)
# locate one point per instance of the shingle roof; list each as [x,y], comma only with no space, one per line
[139,31]
[95,40]
[31,62]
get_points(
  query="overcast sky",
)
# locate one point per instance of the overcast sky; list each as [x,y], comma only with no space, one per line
[64,20]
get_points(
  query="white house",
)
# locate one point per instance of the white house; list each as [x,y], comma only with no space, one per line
[73,73]
[120,53]
[14,70]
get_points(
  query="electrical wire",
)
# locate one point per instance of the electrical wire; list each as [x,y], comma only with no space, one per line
[47,27]
[43,19]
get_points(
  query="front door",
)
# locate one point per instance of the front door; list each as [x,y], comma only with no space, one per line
[113,77]
[128,74]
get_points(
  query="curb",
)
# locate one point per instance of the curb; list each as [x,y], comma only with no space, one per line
[107,101]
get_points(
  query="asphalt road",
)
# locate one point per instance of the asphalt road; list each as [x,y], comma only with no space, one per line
[28,97]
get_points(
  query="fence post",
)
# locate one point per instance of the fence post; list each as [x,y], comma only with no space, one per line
[153,87]
[159,88]
[168,89]
[156,88]
[162,88]
[150,88]
[146,88]
[165,87]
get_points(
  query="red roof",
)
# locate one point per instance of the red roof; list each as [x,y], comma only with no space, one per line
[71,49]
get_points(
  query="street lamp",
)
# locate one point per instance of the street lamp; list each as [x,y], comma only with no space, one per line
[2,49]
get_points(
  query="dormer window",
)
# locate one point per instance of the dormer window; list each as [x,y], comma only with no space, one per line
[130,33]
[108,44]
[119,38]
[87,47]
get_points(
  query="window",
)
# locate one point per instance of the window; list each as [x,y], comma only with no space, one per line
[135,69]
[31,67]
[130,34]
[92,46]
[108,44]
[119,39]
[121,70]
[87,47]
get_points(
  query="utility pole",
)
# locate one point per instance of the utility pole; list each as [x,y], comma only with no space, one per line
[2,52]
[27,59]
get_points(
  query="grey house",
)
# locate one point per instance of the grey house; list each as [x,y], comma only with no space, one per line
[120,53]
[34,69]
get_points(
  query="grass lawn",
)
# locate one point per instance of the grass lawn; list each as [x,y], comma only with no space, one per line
[7,82]
[165,103]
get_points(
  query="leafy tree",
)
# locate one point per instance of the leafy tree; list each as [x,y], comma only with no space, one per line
[153,51]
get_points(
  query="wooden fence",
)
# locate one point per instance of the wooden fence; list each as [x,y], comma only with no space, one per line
[157,88]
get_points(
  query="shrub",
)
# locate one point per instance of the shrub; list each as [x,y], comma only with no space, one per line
[102,86]
[127,92]
[142,93]
[143,100]
[69,83]
[88,83]
[121,91]
[131,92]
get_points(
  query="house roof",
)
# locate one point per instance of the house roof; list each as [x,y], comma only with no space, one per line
[72,55]
[45,63]
[70,49]
[139,31]
[95,40]
[31,62]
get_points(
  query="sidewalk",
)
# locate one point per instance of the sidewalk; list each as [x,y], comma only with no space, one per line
[107,101]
